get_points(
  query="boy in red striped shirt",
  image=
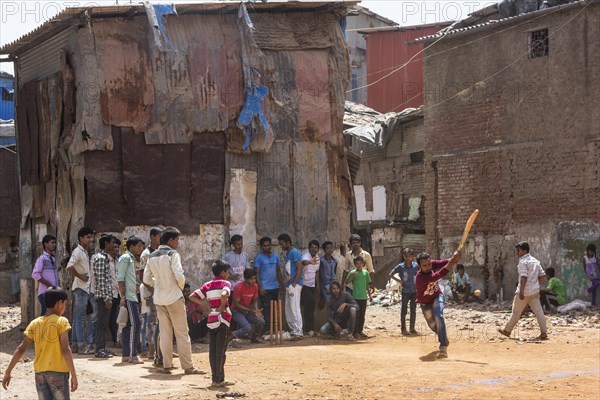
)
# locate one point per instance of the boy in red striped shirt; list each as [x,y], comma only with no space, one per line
[217,293]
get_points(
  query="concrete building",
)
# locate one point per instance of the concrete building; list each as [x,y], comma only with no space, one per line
[513,130]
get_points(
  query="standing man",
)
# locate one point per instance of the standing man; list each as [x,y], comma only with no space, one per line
[130,337]
[79,267]
[268,276]
[308,298]
[165,272]
[151,320]
[407,271]
[294,272]
[238,259]
[113,264]
[13,271]
[355,251]
[528,291]
[44,271]
[327,273]
[104,295]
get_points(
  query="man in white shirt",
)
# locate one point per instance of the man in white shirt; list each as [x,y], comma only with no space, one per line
[165,272]
[238,259]
[79,268]
[356,250]
[531,274]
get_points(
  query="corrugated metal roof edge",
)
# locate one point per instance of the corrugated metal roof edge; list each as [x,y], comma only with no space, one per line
[67,17]
[366,31]
[500,22]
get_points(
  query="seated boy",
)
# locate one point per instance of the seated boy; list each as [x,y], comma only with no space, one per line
[431,297]
[341,312]
[461,284]
[554,294]
[246,314]
[53,357]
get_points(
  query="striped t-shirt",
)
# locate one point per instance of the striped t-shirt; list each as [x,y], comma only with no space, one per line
[212,291]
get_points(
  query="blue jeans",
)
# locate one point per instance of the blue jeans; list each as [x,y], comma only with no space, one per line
[247,322]
[41,298]
[91,330]
[81,300]
[52,385]
[434,315]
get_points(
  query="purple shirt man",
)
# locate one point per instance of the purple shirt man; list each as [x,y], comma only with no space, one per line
[45,271]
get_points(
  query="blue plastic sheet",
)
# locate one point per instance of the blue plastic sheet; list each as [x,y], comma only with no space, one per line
[252,112]
[161,10]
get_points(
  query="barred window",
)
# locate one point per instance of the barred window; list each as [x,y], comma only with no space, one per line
[538,43]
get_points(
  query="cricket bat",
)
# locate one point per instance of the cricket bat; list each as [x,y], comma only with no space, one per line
[468,226]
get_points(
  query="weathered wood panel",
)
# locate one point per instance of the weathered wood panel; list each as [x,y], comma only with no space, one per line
[275,197]
[104,175]
[207,177]
[310,176]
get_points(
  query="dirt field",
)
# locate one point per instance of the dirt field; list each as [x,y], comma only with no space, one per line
[387,366]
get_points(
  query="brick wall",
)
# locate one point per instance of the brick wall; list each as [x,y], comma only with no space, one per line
[515,137]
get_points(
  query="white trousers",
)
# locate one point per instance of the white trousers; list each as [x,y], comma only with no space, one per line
[293,315]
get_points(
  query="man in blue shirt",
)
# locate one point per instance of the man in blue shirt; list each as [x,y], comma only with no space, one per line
[293,268]
[268,276]
[407,271]
[327,273]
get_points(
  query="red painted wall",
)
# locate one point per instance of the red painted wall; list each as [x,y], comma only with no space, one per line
[386,51]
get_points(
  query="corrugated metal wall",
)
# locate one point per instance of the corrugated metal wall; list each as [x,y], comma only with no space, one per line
[45,59]
[387,52]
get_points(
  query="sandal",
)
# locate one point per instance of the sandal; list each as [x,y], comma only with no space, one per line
[194,371]
[102,354]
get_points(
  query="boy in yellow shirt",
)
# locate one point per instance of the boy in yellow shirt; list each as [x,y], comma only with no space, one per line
[53,358]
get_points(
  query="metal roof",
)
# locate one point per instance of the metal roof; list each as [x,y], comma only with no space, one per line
[492,24]
[6,75]
[78,16]
[441,25]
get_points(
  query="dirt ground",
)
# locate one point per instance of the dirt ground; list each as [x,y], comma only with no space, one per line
[481,364]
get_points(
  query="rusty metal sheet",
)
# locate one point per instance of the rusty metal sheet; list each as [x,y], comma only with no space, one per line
[339,194]
[28,134]
[44,123]
[104,190]
[312,88]
[275,194]
[207,178]
[280,78]
[310,192]
[10,207]
[294,31]
[125,75]
[90,131]
[198,83]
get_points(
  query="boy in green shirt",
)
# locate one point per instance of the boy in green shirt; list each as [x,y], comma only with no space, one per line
[362,288]
[554,294]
